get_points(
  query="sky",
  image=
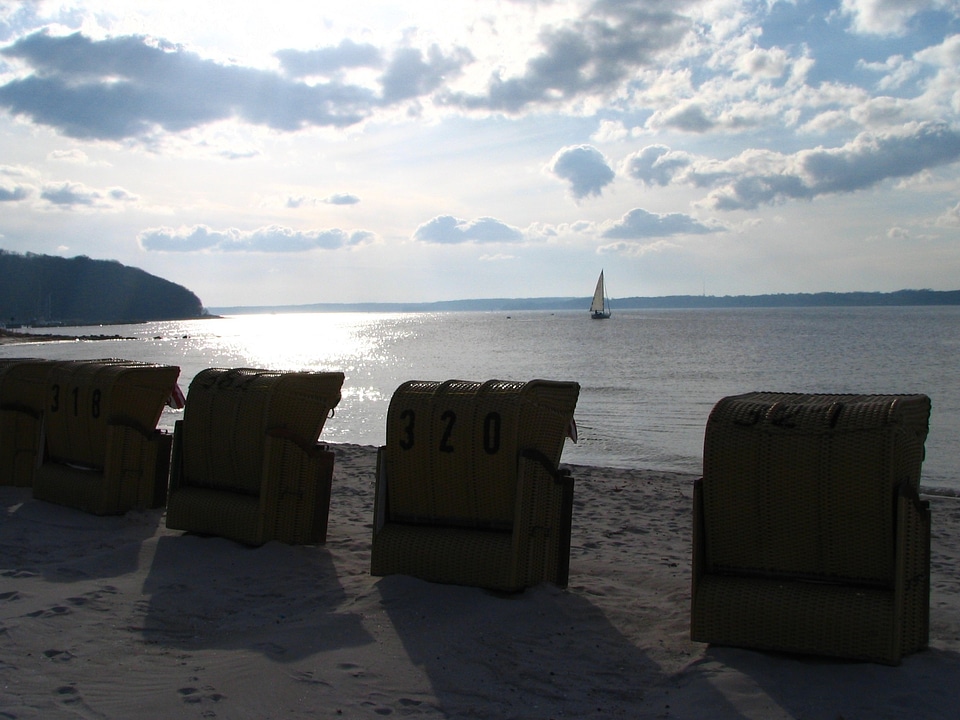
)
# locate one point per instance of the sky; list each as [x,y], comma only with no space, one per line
[289,153]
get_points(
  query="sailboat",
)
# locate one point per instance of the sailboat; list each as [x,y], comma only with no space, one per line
[600,307]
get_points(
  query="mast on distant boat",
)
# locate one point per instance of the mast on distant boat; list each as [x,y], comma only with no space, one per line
[600,307]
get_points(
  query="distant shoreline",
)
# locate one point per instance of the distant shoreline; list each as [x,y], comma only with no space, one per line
[9,337]
[899,298]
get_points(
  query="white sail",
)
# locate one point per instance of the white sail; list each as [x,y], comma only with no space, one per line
[599,308]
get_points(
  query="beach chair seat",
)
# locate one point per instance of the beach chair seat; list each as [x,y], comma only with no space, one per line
[246,462]
[102,451]
[23,388]
[809,535]
[468,486]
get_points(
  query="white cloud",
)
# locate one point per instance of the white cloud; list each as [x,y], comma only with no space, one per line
[951,218]
[73,195]
[70,156]
[610,131]
[765,63]
[586,169]
[341,199]
[889,17]
[448,230]
[270,239]
[761,177]
[16,183]
[655,164]
[639,224]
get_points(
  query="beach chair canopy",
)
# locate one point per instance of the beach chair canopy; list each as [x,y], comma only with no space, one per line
[102,451]
[809,535]
[23,392]
[246,462]
[468,485]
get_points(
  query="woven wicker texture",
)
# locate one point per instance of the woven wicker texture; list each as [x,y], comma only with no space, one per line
[85,397]
[248,439]
[103,453]
[457,501]
[22,397]
[799,532]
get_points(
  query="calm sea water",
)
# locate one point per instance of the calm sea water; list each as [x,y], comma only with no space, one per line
[648,378]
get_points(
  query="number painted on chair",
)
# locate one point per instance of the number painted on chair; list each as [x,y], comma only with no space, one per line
[409,417]
[95,404]
[491,433]
[450,418]
[492,425]
[55,403]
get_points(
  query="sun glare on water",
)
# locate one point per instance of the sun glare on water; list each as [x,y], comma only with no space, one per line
[298,341]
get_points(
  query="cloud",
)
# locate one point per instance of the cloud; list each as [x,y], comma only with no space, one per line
[865,161]
[951,218]
[68,194]
[635,249]
[889,17]
[70,156]
[71,196]
[126,87]
[448,230]
[341,199]
[655,164]
[329,60]
[239,154]
[591,54]
[13,193]
[610,131]
[758,177]
[767,63]
[639,224]
[410,75]
[273,238]
[12,185]
[584,167]
[689,117]
[299,201]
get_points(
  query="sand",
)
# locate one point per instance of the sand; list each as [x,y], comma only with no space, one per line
[118,617]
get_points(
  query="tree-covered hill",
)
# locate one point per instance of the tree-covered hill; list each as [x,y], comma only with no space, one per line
[82,291]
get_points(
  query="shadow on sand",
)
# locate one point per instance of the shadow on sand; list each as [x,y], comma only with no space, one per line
[278,600]
[66,545]
[542,653]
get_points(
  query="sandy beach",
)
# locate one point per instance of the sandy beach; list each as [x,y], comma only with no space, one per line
[118,617]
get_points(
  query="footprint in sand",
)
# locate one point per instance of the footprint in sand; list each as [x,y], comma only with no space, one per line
[192,695]
[55,611]
[69,694]
[59,655]
[308,677]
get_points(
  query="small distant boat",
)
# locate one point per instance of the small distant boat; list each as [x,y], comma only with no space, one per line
[600,307]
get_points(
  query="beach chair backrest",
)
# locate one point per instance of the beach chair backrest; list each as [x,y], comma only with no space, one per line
[229,413]
[452,448]
[85,397]
[805,485]
[23,384]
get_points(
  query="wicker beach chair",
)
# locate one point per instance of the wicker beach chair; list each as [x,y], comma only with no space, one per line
[246,463]
[809,535]
[468,489]
[23,392]
[102,451]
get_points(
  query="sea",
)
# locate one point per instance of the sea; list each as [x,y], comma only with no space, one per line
[648,377]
